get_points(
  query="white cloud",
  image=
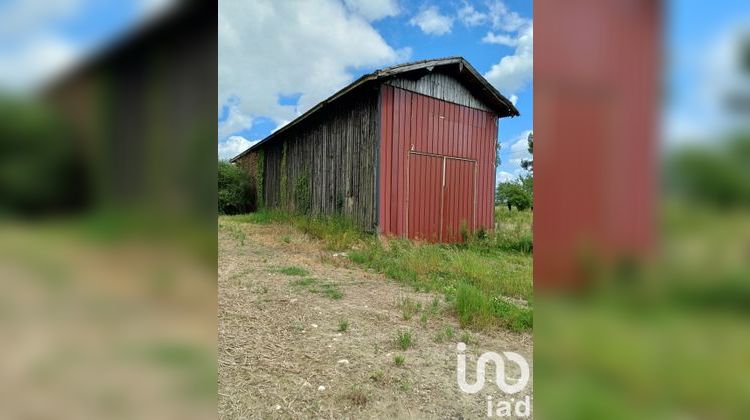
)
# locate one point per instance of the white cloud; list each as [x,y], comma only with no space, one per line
[280,125]
[470,16]
[271,48]
[33,49]
[235,121]
[711,75]
[513,99]
[431,22]
[30,52]
[519,149]
[28,66]
[503,176]
[233,146]
[504,19]
[373,9]
[500,39]
[515,71]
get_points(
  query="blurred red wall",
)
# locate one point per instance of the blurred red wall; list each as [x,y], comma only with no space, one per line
[596,102]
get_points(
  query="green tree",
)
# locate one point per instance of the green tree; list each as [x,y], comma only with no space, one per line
[528,164]
[513,194]
[235,191]
[527,182]
[717,175]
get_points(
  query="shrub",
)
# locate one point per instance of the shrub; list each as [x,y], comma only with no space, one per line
[40,172]
[235,190]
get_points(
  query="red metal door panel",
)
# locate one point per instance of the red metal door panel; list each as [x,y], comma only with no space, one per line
[411,122]
[458,199]
[425,188]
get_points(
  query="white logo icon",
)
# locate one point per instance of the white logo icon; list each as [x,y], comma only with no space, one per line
[519,385]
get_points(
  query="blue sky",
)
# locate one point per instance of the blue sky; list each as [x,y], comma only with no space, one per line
[39,39]
[316,51]
[701,40]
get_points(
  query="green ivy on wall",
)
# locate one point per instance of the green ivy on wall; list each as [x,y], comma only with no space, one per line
[259,173]
[302,199]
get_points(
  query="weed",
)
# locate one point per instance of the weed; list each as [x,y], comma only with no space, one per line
[357,396]
[404,339]
[235,232]
[343,325]
[435,305]
[445,334]
[473,307]
[381,316]
[404,385]
[423,319]
[408,307]
[399,360]
[466,337]
[448,331]
[331,291]
[304,282]
[293,271]
[286,239]
[377,376]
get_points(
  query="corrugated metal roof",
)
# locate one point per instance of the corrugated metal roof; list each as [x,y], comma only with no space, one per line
[458,67]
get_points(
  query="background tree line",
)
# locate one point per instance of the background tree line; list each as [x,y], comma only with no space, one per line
[519,193]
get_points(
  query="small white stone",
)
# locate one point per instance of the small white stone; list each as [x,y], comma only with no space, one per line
[314,325]
[293,300]
[278,407]
[321,388]
[343,362]
[338,334]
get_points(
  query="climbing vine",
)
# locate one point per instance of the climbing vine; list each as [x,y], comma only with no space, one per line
[259,172]
[302,199]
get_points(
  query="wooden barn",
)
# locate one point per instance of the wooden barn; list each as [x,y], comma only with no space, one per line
[408,151]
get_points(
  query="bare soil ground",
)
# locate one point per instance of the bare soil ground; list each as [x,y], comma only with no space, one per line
[281,353]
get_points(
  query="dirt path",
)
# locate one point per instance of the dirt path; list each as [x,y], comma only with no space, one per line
[280,344]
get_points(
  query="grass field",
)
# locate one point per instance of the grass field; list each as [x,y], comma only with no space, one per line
[487,281]
[670,340]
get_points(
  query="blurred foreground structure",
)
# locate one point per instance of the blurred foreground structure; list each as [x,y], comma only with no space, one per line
[641,300]
[596,115]
[142,114]
[108,293]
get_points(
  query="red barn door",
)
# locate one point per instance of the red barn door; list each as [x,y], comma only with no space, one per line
[458,199]
[441,197]
[425,193]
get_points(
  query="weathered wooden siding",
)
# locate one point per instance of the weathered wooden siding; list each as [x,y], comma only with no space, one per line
[440,86]
[337,149]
